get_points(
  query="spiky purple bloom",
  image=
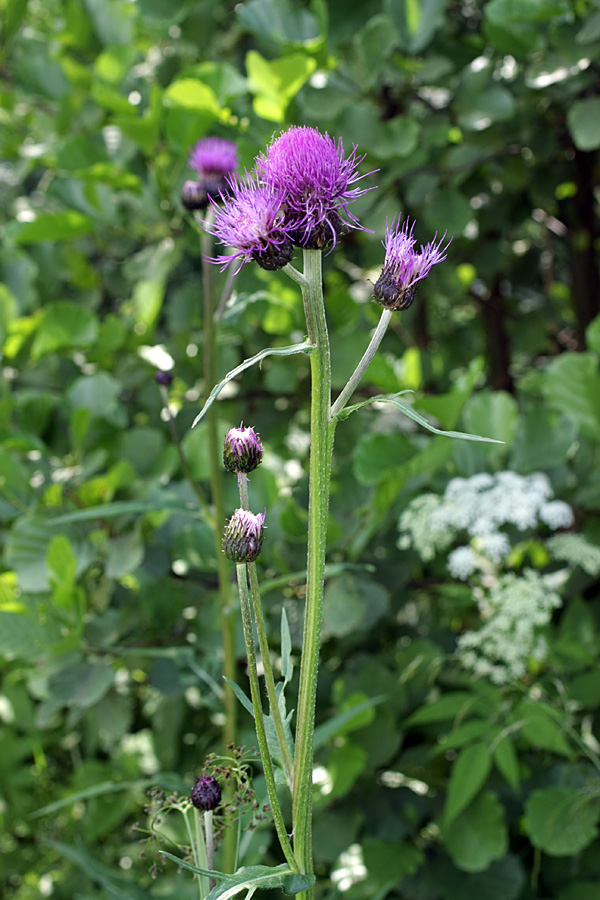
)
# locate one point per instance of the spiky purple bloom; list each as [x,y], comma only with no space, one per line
[242,450]
[206,793]
[213,156]
[403,267]
[213,159]
[250,221]
[314,177]
[243,537]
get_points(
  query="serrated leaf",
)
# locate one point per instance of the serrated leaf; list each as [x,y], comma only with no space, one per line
[469,773]
[478,835]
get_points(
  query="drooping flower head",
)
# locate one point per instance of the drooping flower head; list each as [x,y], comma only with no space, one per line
[250,221]
[243,537]
[404,267]
[213,159]
[315,179]
[242,450]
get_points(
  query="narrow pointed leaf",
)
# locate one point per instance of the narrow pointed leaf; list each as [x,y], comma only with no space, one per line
[305,347]
[244,700]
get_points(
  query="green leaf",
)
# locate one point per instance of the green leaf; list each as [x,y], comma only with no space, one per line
[249,878]
[344,721]
[540,728]
[239,693]
[478,835]
[21,637]
[456,704]
[507,761]
[572,385]
[81,685]
[374,453]
[275,83]
[281,21]
[61,226]
[562,820]
[583,119]
[469,773]
[415,416]
[389,862]
[115,886]
[305,347]
[494,412]
[287,665]
[64,325]
[416,21]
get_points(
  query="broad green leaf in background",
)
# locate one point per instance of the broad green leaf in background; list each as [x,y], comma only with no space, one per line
[572,385]
[64,325]
[60,226]
[275,82]
[583,119]
[561,820]
[281,21]
[478,835]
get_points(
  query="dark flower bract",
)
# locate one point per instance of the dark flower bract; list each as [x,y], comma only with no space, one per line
[243,537]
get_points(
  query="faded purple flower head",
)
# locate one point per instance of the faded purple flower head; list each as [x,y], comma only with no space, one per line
[314,177]
[403,267]
[242,450]
[243,537]
[206,793]
[213,156]
[250,221]
[213,159]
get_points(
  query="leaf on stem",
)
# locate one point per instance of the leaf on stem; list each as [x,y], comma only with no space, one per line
[250,878]
[415,416]
[305,347]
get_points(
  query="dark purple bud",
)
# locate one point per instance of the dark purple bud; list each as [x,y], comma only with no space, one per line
[194,195]
[206,793]
[276,256]
[163,378]
[243,536]
[242,450]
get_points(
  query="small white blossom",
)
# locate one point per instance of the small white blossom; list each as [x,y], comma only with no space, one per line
[556,514]
[462,562]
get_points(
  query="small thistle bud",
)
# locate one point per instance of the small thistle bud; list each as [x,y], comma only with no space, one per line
[275,256]
[194,195]
[243,536]
[403,267]
[163,378]
[242,450]
[206,793]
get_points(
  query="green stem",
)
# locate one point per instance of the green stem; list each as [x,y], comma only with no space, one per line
[259,721]
[363,365]
[216,479]
[322,430]
[265,653]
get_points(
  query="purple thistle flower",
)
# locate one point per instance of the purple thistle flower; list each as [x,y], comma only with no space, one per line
[242,450]
[213,156]
[309,170]
[250,221]
[403,267]
[243,537]
[213,159]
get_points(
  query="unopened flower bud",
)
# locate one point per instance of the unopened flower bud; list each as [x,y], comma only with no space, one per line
[194,195]
[242,450]
[243,536]
[275,256]
[206,793]
[163,378]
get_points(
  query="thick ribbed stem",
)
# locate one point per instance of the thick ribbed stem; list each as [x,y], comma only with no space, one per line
[322,432]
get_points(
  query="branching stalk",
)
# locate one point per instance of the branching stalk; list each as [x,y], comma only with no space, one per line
[363,365]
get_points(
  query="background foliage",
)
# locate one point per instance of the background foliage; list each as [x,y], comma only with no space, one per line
[483,119]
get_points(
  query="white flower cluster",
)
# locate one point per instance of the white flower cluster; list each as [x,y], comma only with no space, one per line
[576,550]
[480,506]
[516,610]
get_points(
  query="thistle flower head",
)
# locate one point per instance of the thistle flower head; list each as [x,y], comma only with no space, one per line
[242,450]
[315,179]
[243,536]
[403,267]
[213,159]
[251,223]
[206,793]
[213,156]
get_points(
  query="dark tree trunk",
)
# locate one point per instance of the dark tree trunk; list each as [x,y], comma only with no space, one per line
[583,231]
[493,318]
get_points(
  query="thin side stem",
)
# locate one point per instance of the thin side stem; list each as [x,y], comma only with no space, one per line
[210,845]
[322,432]
[363,365]
[216,480]
[259,722]
[264,650]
